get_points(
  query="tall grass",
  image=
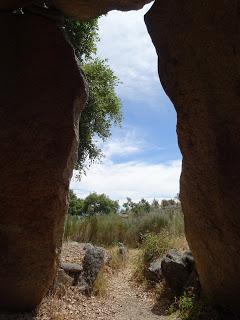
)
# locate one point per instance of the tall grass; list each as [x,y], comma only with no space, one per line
[107,230]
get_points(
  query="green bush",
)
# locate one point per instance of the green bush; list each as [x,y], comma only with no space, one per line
[155,246]
[190,306]
[186,305]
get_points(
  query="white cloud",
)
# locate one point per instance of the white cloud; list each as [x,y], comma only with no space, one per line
[134,179]
[131,179]
[131,54]
[124,146]
[128,47]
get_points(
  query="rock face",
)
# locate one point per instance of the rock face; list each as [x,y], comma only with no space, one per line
[177,268]
[13,4]
[154,271]
[199,54]
[82,9]
[85,9]
[63,278]
[42,94]
[74,270]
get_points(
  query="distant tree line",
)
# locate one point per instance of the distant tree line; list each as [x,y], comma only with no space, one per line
[97,204]
[143,206]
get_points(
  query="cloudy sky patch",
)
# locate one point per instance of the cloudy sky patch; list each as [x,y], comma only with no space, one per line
[131,55]
[142,159]
[134,179]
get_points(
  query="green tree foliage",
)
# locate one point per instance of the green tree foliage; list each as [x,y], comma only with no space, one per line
[75,204]
[103,109]
[143,205]
[83,37]
[99,204]
[93,204]
[140,207]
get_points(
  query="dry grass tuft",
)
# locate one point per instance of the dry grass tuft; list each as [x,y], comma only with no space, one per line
[117,261]
[100,287]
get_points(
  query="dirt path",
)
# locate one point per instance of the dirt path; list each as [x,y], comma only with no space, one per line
[124,299]
[131,303]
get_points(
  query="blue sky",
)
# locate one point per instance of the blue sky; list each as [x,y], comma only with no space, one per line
[142,159]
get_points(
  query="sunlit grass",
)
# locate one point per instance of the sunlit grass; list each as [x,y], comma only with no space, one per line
[108,230]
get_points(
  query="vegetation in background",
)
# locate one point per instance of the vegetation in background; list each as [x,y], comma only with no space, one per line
[102,204]
[142,206]
[108,230]
[103,109]
[75,204]
[93,204]
[101,224]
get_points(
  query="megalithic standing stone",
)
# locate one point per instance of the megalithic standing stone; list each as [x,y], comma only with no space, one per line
[199,66]
[42,93]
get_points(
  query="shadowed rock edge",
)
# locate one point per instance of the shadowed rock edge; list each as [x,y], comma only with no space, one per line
[42,95]
[198,49]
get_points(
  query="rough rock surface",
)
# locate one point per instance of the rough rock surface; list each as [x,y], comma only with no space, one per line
[89,261]
[93,262]
[82,9]
[176,270]
[61,283]
[199,54]
[13,4]
[71,267]
[42,94]
[63,278]
[74,270]
[85,9]
[154,271]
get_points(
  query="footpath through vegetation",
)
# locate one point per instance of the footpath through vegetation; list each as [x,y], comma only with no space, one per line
[123,299]
[140,268]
